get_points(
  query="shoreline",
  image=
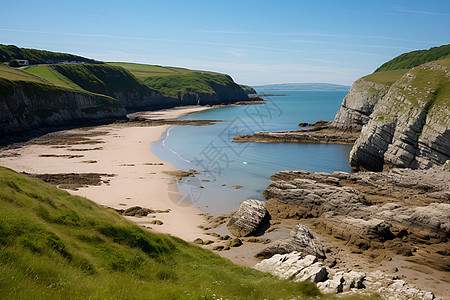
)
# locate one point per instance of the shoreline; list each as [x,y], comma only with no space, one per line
[125,152]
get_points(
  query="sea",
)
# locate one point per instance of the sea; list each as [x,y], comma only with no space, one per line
[228,173]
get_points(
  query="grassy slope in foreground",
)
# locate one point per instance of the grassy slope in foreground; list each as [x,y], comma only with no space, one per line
[415,58]
[55,245]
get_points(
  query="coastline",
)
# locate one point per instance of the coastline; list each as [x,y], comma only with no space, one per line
[124,151]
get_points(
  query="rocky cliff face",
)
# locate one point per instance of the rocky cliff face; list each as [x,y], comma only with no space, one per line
[410,125]
[26,105]
[358,105]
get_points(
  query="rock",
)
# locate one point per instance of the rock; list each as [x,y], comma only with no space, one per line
[353,280]
[315,273]
[301,239]
[359,103]
[251,217]
[235,242]
[332,286]
[313,135]
[294,266]
[198,241]
[359,209]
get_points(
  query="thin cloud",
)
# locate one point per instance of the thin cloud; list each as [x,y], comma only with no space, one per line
[317,34]
[351,45]
[422,12]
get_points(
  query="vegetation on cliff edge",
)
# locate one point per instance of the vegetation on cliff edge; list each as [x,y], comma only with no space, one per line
[415,58]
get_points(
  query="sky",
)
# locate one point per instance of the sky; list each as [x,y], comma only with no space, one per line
[256,42]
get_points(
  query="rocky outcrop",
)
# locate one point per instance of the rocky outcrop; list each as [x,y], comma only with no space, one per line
[410,125]
[299,267]
[358,105]
[300,239]
[26,105]
[298,136]
[294,266]
[251,217]
[398,211]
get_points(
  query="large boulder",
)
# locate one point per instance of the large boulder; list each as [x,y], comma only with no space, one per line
[251,218]
[301,239]
[294,266]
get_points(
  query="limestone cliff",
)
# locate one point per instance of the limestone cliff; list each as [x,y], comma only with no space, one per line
[26,105]
[358,104]
[410,125]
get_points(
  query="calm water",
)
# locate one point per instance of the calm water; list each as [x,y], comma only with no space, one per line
[233,172]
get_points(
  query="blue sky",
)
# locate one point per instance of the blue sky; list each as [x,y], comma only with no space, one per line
[256,42]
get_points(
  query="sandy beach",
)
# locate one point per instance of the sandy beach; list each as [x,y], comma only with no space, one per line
[121,150]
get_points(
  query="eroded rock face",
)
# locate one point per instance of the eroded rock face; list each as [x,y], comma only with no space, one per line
[251,217]
[358,104]
[298,267]
[301,239]
[410,125]
[29,105]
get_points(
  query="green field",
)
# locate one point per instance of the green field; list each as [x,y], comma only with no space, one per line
[51,75]
[145,71]
[54,245]
[386,77]
[14,74]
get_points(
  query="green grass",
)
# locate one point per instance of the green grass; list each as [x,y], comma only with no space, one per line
[415,58]
[54,245]
[143,72]
[14,74]
[178,85]
[51,75]
[386,77]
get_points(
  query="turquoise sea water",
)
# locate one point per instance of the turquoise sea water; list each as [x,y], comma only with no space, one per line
[225,166]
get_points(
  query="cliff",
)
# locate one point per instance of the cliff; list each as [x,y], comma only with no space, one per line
[115,82]
[409,125]
[25,105]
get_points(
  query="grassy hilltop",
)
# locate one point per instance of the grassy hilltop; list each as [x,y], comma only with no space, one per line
[55,245]
[415,58]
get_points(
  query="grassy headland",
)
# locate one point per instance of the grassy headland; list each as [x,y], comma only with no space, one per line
[415,58]
[55,245]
